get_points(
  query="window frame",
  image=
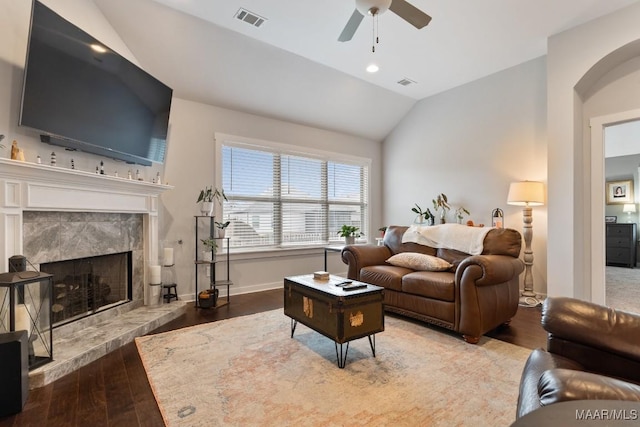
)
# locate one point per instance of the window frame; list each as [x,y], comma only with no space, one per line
[295,150]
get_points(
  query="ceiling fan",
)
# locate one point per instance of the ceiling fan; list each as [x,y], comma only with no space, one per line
[402,8]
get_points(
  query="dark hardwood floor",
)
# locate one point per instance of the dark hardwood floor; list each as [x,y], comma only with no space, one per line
[114,390]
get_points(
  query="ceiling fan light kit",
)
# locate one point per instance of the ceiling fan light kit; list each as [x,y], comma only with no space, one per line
[374,8]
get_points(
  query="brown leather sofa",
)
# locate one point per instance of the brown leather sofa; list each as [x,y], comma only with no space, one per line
[593,353]
[476,295]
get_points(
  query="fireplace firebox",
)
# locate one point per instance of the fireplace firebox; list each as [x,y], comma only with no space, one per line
[85,286]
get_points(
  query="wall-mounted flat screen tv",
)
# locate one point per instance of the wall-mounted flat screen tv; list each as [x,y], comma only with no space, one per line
[81,95]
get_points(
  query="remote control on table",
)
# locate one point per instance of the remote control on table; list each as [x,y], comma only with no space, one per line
[354,286]
[345,283]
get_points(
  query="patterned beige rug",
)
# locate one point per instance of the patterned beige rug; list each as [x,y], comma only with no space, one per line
[247,371]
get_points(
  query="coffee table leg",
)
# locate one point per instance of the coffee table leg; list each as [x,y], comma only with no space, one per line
[294,323]
[372,343]
[342,356]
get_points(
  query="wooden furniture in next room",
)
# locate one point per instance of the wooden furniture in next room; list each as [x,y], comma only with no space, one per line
[621,244]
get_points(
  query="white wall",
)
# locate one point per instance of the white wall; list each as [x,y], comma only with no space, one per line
[190,167]
[571,55]
[190,161]
[14,30]
[470,143]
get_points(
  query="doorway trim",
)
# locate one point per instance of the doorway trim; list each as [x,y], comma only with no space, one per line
[598,272]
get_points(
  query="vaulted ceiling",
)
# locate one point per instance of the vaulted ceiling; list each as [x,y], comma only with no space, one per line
[293,68]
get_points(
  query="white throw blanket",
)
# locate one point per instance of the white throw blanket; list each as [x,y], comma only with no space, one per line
[448,236]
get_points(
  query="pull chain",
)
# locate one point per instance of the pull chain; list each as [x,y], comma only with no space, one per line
[374,35]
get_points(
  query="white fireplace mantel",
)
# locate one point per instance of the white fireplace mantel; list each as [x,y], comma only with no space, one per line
[30,186]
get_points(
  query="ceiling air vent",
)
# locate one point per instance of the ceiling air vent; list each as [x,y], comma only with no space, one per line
[406,82]
[250,17]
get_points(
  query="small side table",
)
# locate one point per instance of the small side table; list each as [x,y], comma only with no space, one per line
[169,286]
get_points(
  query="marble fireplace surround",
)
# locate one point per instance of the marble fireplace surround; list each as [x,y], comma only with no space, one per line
[111,213]
[51,237]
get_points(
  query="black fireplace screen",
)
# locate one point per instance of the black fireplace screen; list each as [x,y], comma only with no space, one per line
[84,286]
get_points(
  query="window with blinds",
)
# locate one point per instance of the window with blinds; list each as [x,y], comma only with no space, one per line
[282,197]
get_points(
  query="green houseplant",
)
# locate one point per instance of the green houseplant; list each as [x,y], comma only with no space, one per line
[222,226]
[441,203]
[210,247]
[349,232]
[206,198]
[422,216]
[460,213]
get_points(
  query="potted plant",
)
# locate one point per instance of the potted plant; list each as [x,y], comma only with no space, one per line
[349,232]
[441,203]
[222,226]
[382,230]
[423,216]
[460,213]
[206,197]
[210,246]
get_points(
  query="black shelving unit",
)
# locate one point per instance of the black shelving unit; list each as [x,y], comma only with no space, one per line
[214,283]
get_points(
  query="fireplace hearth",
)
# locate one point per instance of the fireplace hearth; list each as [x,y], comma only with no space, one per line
[85,286]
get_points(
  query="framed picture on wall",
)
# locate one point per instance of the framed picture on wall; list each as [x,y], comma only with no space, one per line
[611,219]
[619,192]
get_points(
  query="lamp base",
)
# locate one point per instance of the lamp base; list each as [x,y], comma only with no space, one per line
[529,300]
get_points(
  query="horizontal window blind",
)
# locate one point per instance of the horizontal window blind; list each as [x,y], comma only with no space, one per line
[280,197]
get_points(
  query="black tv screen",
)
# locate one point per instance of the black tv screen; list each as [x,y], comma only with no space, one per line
[82,95]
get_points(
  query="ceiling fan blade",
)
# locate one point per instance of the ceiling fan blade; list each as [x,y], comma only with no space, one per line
[351,27]
[410,13]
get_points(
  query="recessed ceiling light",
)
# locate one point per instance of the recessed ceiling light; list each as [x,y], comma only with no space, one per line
[98,48]
[373,68]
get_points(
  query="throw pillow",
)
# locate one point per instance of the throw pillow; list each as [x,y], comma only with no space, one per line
[417,261]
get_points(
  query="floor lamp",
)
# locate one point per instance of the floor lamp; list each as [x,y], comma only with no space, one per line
[527,194]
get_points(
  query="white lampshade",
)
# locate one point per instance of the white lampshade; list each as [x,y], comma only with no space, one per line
[526,193]
[629,207]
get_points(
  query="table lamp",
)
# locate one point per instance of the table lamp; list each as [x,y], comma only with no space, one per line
[527,194]
[629,208]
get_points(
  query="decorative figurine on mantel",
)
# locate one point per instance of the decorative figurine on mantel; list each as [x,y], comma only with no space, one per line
[14,150]
[53,158]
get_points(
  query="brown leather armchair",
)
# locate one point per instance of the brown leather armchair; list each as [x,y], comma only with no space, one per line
[593,353]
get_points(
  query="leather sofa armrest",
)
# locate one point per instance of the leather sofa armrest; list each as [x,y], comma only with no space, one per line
[592,325]
[559,385]
[359,256]
[538,362]
[489,269]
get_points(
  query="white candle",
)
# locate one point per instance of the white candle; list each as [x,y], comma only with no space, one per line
[23,323]
[154,271]
[168,256]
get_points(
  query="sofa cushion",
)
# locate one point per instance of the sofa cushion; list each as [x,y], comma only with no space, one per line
[431,284]
[420,262]
[387,276]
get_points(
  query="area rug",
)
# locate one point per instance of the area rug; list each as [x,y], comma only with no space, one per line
[248,371]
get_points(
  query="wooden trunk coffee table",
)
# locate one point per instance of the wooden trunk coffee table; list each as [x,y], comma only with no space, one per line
[338,314]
